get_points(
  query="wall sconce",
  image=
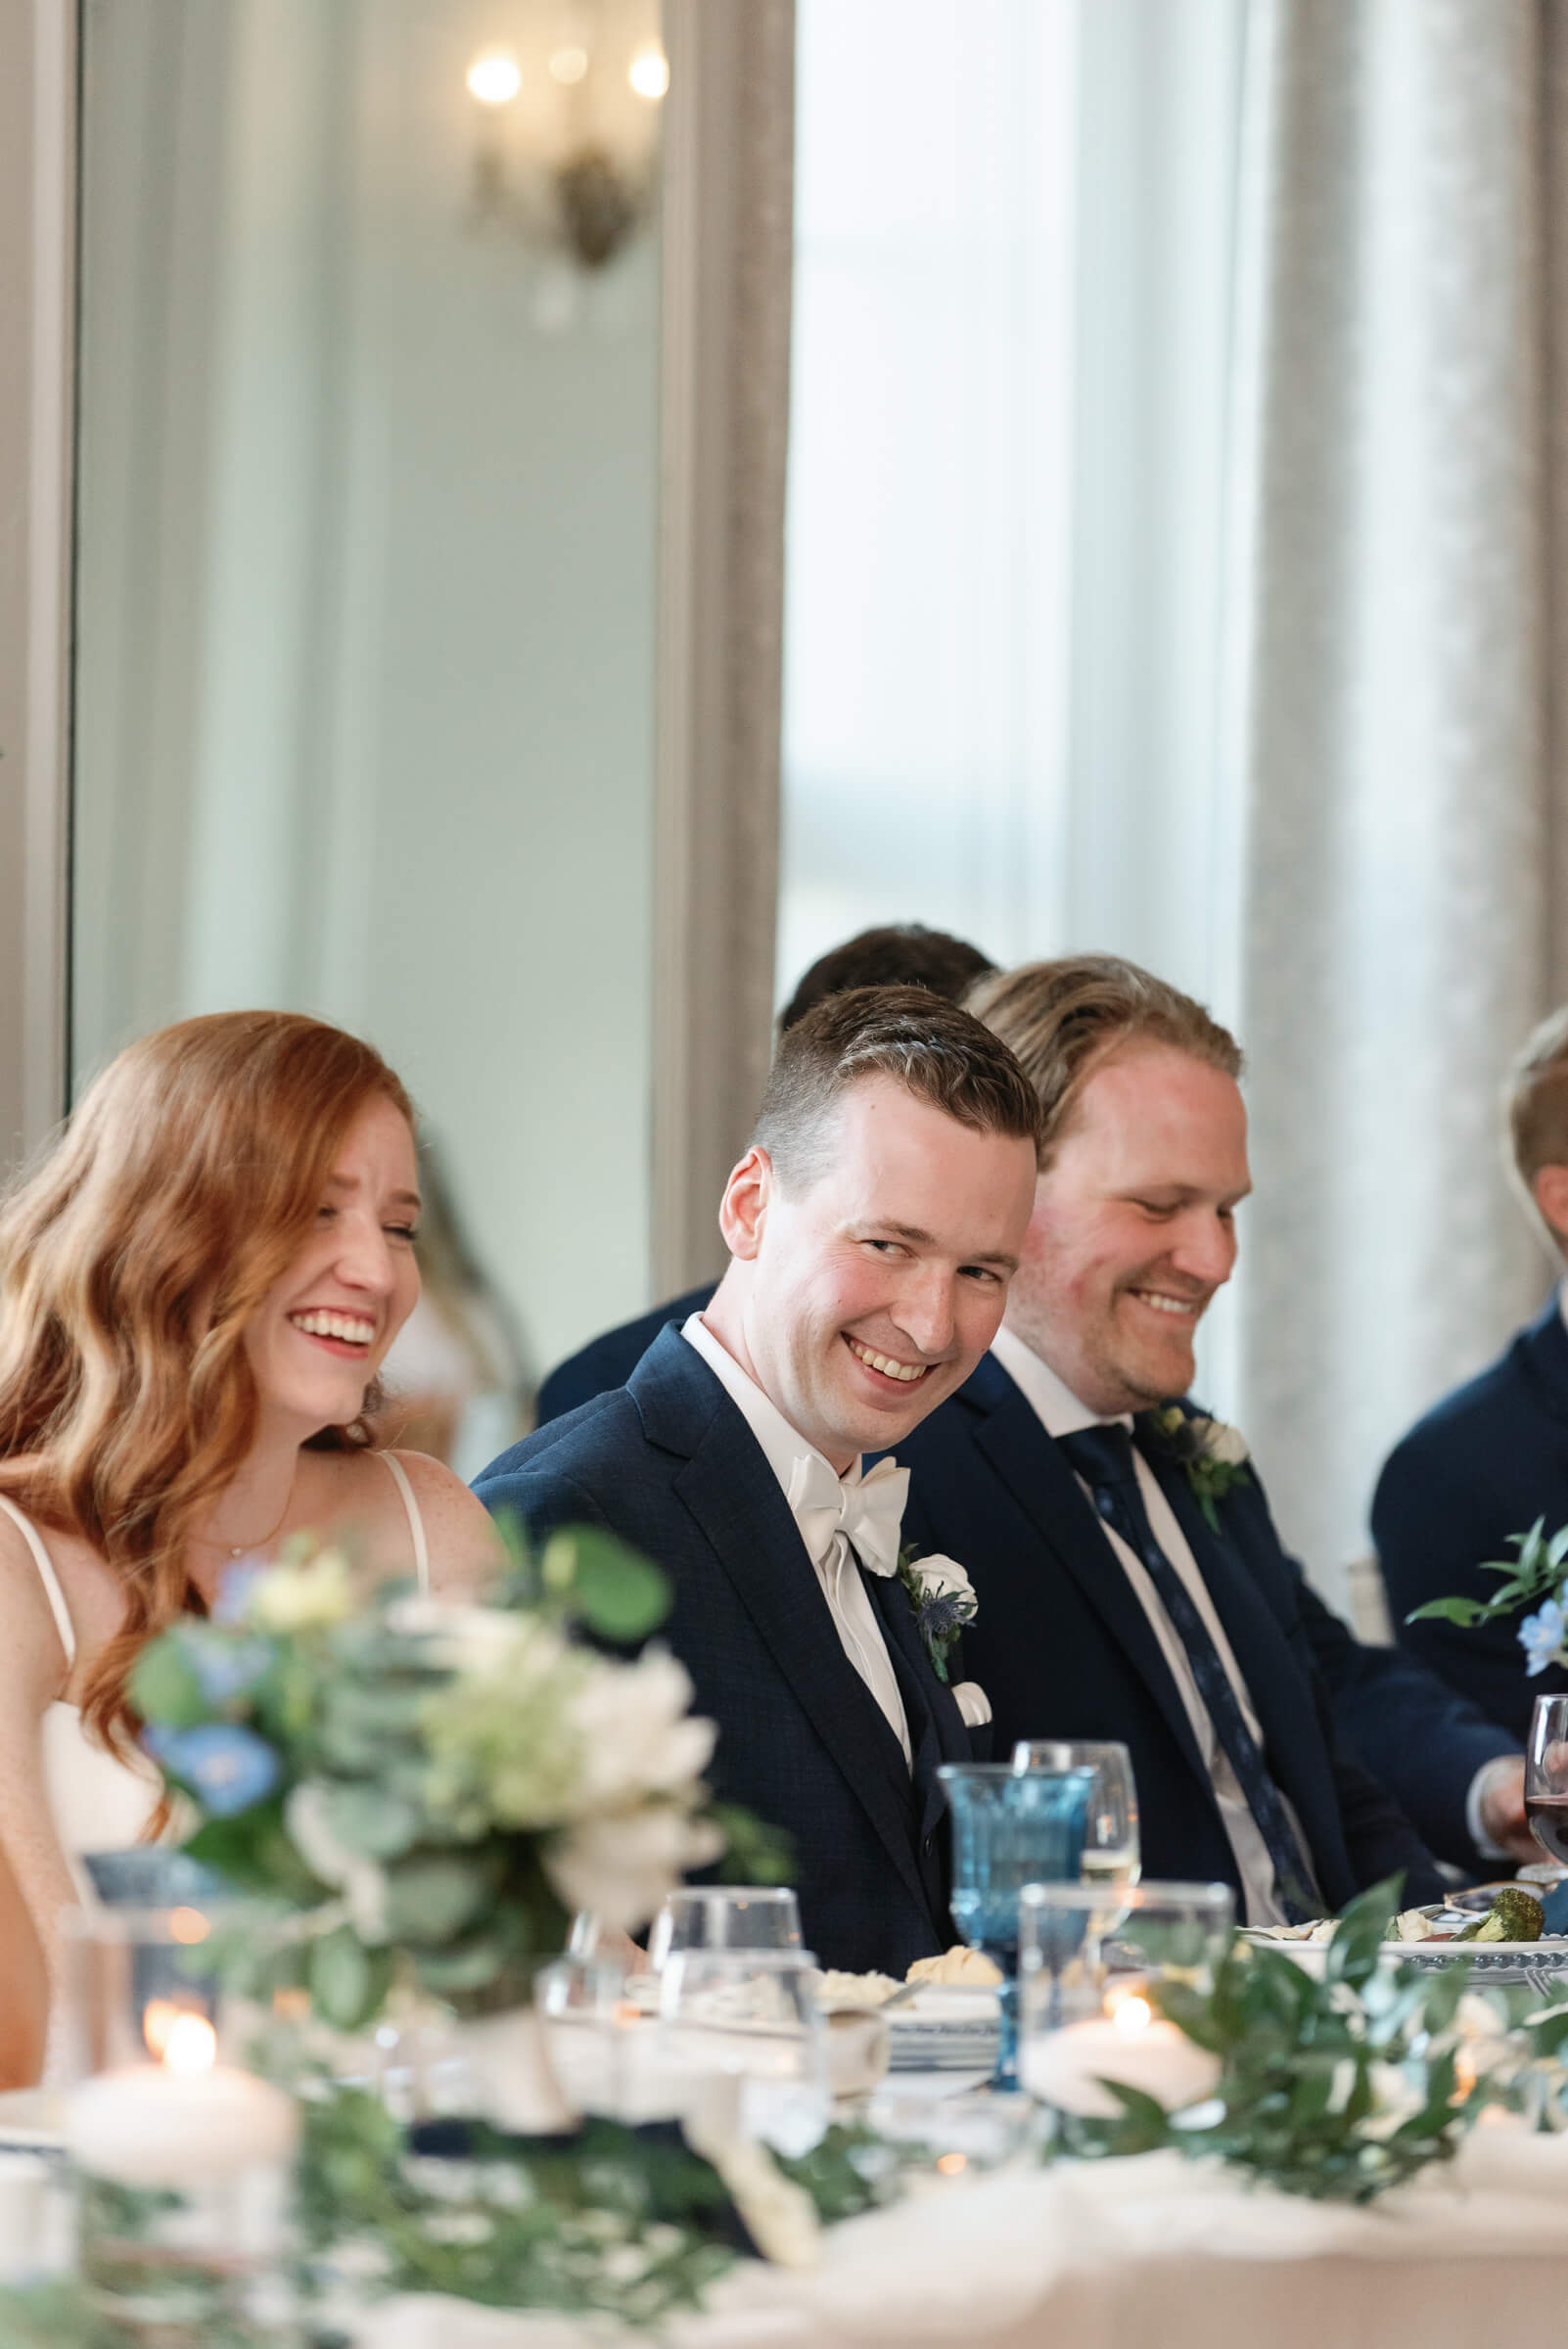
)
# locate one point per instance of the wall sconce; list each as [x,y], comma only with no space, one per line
[567,150]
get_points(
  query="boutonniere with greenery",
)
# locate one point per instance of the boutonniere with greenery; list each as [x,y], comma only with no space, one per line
[1213,1456]
[944,1600]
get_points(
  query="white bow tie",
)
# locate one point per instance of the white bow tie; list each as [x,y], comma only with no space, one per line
[870,1512]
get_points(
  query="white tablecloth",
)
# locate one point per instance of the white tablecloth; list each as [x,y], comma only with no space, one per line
[1151,2253]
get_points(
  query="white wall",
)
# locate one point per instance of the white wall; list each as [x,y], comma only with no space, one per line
[366,625]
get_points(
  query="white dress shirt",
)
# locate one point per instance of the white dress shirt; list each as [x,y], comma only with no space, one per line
[1061,1413]
[837,1569]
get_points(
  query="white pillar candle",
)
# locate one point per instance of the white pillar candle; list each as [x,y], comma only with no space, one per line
[24,2195]
[186,2123]
[1065,2067]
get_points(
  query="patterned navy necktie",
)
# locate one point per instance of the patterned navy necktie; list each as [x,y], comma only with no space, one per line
[1103,1458]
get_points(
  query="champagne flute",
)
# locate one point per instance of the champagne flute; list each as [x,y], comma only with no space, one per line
[1111,1853]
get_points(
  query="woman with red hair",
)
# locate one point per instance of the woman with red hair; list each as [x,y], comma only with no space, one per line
[198,1286]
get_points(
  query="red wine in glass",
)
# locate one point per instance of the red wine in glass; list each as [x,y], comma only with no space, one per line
[1547,1816]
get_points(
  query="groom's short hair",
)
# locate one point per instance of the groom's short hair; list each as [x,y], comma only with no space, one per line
[1064,1019]
[940,1053]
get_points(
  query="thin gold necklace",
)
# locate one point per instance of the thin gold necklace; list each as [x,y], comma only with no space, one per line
[240,1549]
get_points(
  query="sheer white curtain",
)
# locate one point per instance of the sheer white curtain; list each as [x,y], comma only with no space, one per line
[1170,571]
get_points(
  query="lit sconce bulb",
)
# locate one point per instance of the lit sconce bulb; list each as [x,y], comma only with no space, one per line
[649,72]
[569,63]
[495,77]
[1132,2017]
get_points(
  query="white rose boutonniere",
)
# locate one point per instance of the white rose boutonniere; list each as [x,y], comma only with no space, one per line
[1213,1456]
[944,1600]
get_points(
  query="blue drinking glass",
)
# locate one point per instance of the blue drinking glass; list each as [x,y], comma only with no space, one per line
[1010,1827]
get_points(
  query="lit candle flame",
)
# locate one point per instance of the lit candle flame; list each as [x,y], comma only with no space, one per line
[1132,2016]
[649,72]
[191,2045]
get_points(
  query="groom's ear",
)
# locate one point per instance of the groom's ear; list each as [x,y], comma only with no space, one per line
[743,1210]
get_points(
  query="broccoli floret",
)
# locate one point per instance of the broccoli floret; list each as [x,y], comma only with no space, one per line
[1514,1916]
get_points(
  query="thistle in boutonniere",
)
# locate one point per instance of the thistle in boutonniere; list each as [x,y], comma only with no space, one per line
[944,1600]
[1213,1456]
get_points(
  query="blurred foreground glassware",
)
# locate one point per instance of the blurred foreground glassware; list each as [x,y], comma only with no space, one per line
[753,2014]
[1010,1827]
[1089,1957]
[725,1916]
[1111,1850]
[182,2163]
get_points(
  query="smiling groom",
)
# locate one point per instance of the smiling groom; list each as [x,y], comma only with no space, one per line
[873,1227]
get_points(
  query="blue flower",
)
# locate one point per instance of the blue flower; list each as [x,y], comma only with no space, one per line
[225,1766]
[1541,1636]
[233,1600]
[226,1668]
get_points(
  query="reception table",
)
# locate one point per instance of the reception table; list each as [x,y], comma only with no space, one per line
[1147,2253]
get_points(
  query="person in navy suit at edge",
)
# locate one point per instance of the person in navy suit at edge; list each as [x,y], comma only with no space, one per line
[900,954]
[1108,1605]
[1491,1457]
[873,1227]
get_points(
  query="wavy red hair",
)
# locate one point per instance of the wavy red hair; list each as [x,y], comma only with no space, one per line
[130,1262]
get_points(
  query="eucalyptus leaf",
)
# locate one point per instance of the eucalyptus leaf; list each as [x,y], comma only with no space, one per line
[347,1981]
[618,1594]
[163,1686]
[371,1820]
[431,1896]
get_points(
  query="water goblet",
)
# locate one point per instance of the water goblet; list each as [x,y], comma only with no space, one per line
[725,1916]
[1111,1853]
[1010,1827]
[753,2014]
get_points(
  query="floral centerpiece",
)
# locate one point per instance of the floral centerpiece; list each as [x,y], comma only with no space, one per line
[427,1790]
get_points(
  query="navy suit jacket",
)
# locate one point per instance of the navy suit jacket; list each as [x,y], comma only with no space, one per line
[668,1463]
[608,1361]
[1063,1648]
[1484,1463]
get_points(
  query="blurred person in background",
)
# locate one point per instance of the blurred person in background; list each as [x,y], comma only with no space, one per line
[1491,1457]
[902,954]
[453,1377]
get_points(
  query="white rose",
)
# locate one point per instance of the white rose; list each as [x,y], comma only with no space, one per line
[974,1705]
[303,1598]
[623,1869]
[942,1578]
[362,1882]
[637,1735]
[466,1640]
[1227,1445]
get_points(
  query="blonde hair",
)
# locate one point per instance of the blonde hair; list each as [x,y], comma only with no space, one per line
[1536,1099]
[132,1261]
[1064,1019]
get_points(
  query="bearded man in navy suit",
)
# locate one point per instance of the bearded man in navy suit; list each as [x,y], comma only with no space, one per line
[1491,1457]
[873,1227]
[1130,1579]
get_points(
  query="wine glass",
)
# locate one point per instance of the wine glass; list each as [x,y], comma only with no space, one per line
[1546,1776]
[724,1916]
[1111,1854]
[753,2013]
[1010,1827]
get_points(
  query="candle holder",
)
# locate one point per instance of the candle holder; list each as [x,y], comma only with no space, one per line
[1090,1957]
[1010,1827]
[182,2163]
